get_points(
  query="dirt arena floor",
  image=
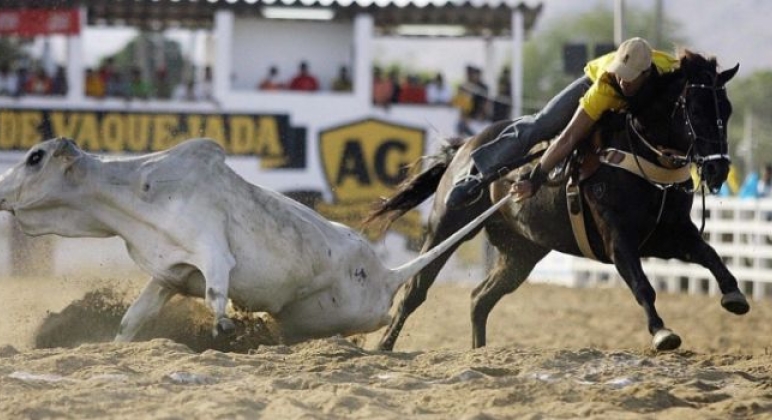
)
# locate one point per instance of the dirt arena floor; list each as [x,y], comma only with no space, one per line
[553,353]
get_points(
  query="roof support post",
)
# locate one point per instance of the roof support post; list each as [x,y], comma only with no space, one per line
[223,35]
[363,58]
[75,68]
[518,38]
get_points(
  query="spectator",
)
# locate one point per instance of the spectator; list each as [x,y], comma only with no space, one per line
[502,104]
[479,91]
[39,83]
[163,90]
[343,82]
[107,70]
[412,91]
[22,76]
[186,91]
[138,86]
[437,91]
[95,86]
[59,83]
[9,83]
[764,186]
[205,89]
[472,101]
[304,80]
[382,88]
[117,87]
[271,80]
[396,84]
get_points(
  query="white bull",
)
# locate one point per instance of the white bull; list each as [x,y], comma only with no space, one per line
[201,230]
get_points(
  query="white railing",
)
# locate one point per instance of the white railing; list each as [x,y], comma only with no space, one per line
[740,230]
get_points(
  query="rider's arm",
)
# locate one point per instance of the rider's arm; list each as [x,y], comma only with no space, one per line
[578,128]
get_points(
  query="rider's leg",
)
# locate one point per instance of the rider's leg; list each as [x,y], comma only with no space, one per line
[508,150]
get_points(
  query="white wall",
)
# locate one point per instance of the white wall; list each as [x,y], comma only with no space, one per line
[324,45]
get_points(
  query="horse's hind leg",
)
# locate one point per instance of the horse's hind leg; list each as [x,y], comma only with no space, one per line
[513,266]
[418,286]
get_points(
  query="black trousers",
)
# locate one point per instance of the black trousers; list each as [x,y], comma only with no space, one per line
[512,144]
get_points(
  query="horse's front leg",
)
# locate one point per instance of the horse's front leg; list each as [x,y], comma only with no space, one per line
[628,264]
[700,252]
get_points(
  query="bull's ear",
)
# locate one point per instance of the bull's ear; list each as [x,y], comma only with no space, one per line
[727,75]
[67,149]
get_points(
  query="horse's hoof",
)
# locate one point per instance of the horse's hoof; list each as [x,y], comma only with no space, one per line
[225,326]
[735,303]
[665,340]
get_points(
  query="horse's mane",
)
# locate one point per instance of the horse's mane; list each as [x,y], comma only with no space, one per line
[692,64]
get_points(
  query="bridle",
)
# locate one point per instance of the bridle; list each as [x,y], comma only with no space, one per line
[692,132]
[690,156]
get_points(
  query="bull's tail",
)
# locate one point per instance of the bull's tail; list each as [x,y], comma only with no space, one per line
[413,191]
[401,274]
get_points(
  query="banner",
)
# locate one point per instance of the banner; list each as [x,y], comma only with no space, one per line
[268,136]
[32,22]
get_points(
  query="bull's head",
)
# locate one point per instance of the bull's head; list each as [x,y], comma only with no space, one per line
[42,188]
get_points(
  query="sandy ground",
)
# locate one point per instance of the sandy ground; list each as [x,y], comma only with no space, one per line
[553,353]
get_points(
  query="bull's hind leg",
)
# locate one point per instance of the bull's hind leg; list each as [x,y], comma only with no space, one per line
[147,305]
[515,262]
[418,286]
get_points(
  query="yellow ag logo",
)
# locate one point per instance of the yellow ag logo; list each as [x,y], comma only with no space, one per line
[367,160]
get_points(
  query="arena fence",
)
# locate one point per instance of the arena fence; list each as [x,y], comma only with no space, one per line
[739,229]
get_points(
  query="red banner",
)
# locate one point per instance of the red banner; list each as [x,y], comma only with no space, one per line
[31,22]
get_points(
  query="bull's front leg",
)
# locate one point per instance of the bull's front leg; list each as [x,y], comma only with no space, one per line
[147,305]
[217,278]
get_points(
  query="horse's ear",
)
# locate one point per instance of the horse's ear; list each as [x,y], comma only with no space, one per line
[727,75]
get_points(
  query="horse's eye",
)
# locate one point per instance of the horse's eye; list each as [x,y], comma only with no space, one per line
[35,157]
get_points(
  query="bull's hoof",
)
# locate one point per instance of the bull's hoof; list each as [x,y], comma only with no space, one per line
[665,340]
[225,327]
[735,303]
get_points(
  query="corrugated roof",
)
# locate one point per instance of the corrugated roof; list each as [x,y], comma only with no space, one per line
[479,17]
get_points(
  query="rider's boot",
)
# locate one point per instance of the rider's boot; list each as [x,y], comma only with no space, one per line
[470,189]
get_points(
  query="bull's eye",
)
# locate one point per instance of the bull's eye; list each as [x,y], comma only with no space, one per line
[35,157]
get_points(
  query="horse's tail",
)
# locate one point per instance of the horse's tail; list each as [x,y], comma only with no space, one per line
[414,190]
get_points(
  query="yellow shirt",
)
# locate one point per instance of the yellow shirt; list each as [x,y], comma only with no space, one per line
[602,96]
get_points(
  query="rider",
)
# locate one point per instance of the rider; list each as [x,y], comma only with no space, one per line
[608,82]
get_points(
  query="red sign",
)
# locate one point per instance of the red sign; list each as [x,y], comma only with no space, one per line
[31,22]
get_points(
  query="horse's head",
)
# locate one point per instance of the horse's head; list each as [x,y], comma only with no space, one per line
[688,111]
[702,111]
[706,110]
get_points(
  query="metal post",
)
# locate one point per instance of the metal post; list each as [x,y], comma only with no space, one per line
[619,21]
[516,75]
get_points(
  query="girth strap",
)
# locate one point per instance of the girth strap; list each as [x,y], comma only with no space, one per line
[644,168]
[576,215]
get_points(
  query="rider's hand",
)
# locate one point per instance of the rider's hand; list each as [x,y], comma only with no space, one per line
[522,189]
[527,187]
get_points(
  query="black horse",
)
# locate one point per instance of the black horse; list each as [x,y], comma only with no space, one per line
[636,199]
